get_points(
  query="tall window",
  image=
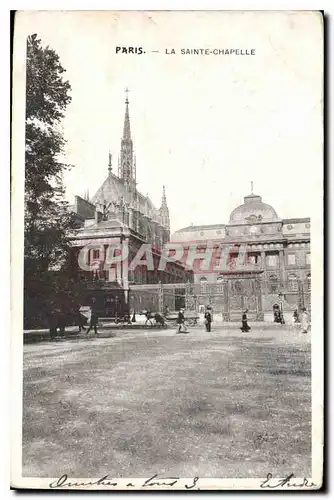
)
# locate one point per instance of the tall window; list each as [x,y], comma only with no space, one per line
[204,285]
[232,261]
[96,254]
[271,260]
[273,283]
[292,283]
[291,259]
[220,284]
[308,259]
[253,259]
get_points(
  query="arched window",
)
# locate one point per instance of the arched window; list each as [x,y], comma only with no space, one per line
[309,282]
[220,284]
[273,283]
[204,285]
[292,283]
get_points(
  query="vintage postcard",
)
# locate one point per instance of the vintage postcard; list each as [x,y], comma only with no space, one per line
[167,250]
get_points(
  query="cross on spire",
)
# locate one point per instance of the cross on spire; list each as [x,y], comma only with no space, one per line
[127,95]
[252,187]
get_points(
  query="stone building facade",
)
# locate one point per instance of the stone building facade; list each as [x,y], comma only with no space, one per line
[260,244]
[118,214]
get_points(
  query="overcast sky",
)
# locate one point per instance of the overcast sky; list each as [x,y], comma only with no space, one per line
[205,126]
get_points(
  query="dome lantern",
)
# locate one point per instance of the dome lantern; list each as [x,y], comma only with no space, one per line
[253,210]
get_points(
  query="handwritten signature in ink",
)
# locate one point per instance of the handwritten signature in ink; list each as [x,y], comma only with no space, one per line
[63,482]
[288,482]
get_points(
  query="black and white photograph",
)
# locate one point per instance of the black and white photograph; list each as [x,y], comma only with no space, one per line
[167,250]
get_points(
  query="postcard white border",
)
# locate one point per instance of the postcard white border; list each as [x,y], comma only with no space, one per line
[17,272]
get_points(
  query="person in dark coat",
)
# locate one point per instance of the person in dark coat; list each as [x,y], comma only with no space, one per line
[296,316]
[208,319]
[181,322]
[82,321]
[93,318]
[53,323]
[245,327]
[148,318]
[62,323]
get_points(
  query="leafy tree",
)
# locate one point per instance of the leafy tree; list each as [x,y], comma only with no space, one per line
[47,219]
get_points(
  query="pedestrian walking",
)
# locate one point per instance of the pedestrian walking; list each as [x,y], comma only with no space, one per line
[53,322]
[296,316]
[181,322]
[93,317]
[148,318]
[245,327]
[304,320]
[208,319]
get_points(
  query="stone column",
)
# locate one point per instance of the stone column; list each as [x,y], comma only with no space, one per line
[226,314]
[161,298]
[259,309]
[264,267]
[131,218]
[263,260]
[112,274]
[282,266]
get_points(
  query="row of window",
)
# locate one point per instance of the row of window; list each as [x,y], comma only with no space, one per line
[204,284]
[292,284]
[271,260]
[292,259]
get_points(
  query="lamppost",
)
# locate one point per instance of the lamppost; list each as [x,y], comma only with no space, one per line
[281,297]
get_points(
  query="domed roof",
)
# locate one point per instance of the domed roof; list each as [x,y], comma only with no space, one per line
[253,210]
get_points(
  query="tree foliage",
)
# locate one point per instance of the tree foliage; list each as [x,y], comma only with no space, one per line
[47,218]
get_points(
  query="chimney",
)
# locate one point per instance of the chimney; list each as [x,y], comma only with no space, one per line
[98,216]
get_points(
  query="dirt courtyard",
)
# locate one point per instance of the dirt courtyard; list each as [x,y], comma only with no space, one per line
[220,404]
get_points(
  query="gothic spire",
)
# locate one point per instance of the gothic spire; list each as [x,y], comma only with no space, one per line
[164,212]
[164,199]
[126,128]
[127,163]
[110,164]
[119,167]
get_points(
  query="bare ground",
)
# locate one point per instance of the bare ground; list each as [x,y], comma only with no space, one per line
[224,404]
